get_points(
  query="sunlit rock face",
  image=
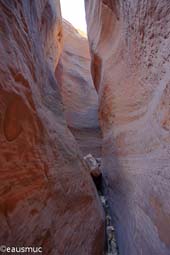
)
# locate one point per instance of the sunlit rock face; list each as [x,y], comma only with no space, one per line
[47,197]
[79,95]
[129,43]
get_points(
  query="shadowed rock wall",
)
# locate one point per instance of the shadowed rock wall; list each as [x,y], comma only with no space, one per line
[46,194]
[129,42]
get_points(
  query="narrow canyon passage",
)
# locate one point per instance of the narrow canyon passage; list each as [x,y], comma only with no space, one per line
[79,96]
[81,111]
[85,128]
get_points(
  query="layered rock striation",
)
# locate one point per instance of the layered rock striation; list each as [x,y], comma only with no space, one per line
[79,95]
[129,44]
[47,197]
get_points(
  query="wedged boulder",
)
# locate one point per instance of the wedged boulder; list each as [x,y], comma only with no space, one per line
[79,95]
[92,165]
[95,172]
[129,44]
[47,197]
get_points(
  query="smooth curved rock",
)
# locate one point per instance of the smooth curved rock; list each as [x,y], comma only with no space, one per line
[79,95]
[129,42]
[47,197]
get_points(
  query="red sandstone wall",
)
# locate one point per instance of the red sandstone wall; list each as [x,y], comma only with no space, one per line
[129,43]
[46,195]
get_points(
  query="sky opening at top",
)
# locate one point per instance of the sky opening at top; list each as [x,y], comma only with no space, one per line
[74,12]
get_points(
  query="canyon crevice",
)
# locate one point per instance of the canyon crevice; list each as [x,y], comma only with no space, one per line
[79,95]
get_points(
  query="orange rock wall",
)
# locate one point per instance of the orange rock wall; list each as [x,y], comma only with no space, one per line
[47,197]
[129,42]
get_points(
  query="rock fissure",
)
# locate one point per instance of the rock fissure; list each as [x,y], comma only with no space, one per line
[94,166]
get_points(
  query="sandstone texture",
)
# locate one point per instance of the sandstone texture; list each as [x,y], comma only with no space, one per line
[79,95]
[129,44]
[47,197]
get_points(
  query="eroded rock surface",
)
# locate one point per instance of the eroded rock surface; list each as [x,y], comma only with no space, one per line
[129,43]
[46,195]
[79,95]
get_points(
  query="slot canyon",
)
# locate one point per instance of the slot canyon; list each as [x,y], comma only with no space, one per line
[85,128]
